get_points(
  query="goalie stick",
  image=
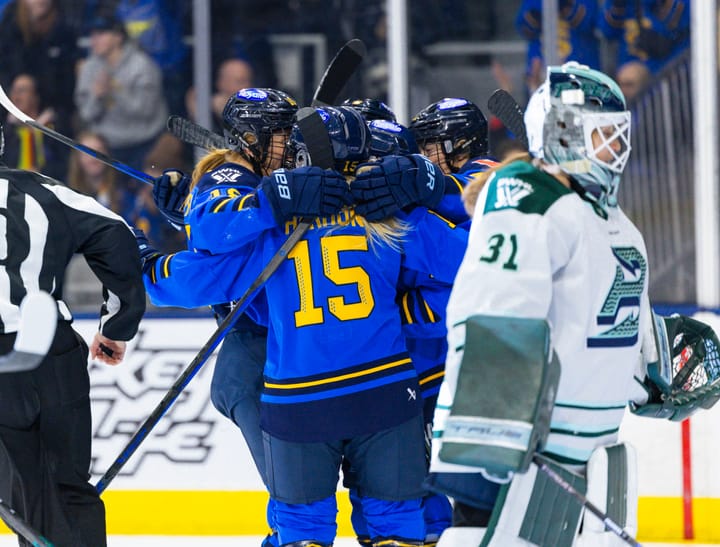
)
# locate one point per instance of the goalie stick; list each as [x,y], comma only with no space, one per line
[20,527]
[336,76]
[38,319]
[24,118]
[610,524]
[320,149]
[506,109]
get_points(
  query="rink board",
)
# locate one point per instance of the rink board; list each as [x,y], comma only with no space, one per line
[193,475]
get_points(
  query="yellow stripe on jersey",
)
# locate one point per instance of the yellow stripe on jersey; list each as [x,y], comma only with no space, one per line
[340,378]
[406,309]
[457,183]
[220,204]
[450,224]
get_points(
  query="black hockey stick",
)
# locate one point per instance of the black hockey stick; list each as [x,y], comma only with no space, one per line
[320,149]
[21,528]
[38,319]
[610,524]
[338,72]
[505,108]
[24,118]
[336,75]
[193,133]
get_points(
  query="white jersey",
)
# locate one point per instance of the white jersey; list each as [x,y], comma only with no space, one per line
[539,250]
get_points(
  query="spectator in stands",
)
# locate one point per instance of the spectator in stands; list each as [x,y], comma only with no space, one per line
[25,147]
[576,39]
[155,25]
[94,178]
[119,93]
[35,40]
[650,34]
[232,74]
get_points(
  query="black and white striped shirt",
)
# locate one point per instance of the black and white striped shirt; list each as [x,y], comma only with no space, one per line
[42,224]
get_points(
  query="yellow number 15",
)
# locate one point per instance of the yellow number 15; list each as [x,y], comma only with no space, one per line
[331,247]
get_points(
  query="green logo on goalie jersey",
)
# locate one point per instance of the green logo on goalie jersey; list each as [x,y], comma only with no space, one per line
[626,291]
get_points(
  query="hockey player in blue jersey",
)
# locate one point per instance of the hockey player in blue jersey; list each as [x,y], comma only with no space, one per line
[453,133]
[338,381]
[256,123]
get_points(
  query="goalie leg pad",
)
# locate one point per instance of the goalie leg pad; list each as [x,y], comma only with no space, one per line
[613,488]
[534,510]
[505,394]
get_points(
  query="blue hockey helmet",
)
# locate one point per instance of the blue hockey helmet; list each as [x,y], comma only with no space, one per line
[388,138]
[457,124]
[573,105]
[250,118]
[371,109]
[348,134]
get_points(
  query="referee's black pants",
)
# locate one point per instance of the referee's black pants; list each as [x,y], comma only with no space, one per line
[45,444]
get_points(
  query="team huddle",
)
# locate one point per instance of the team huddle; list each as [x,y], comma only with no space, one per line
[447,327]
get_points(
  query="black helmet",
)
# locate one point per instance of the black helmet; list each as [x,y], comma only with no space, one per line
[371,109]
[390,138]
[252,115]
[458,124]
[348,134]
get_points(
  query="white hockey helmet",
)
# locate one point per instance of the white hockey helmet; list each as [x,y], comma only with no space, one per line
[562,115]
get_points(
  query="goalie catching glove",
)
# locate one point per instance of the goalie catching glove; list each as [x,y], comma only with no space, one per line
[305,192]
[395,182]
[686,376]
[170,192]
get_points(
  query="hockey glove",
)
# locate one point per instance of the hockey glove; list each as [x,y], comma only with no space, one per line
[687,375]
[148,254]
[396,182]
[170,192]
[305,192]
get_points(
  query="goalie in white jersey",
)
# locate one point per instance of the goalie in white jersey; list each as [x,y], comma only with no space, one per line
[551,334]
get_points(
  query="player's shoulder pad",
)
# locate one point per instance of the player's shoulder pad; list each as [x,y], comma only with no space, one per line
[522,187]
[228,174]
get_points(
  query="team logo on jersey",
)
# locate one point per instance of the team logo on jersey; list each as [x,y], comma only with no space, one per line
[252,94]
[226,175]
[510,191]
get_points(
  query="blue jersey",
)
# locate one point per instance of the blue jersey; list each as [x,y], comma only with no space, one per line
[576,40]
[451,206]
[211,218]
[337,363]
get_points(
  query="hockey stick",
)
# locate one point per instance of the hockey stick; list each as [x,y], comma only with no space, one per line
[505,108]
[20,527]
[336,75]
[338,72]
[24,118]
[38,320]
[195,134]
[610,524]
[319,147]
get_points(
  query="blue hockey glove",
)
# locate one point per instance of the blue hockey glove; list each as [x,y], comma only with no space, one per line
[305,192]
[169,192]
[395,182]
[148,254]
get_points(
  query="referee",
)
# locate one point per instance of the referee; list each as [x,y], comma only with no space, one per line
[45,423]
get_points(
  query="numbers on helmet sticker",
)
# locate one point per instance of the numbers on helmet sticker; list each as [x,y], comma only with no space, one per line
[497,249]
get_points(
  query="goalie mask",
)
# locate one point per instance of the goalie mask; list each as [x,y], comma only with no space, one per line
[456,124]
[250,118]
[578,120]
[348,134]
